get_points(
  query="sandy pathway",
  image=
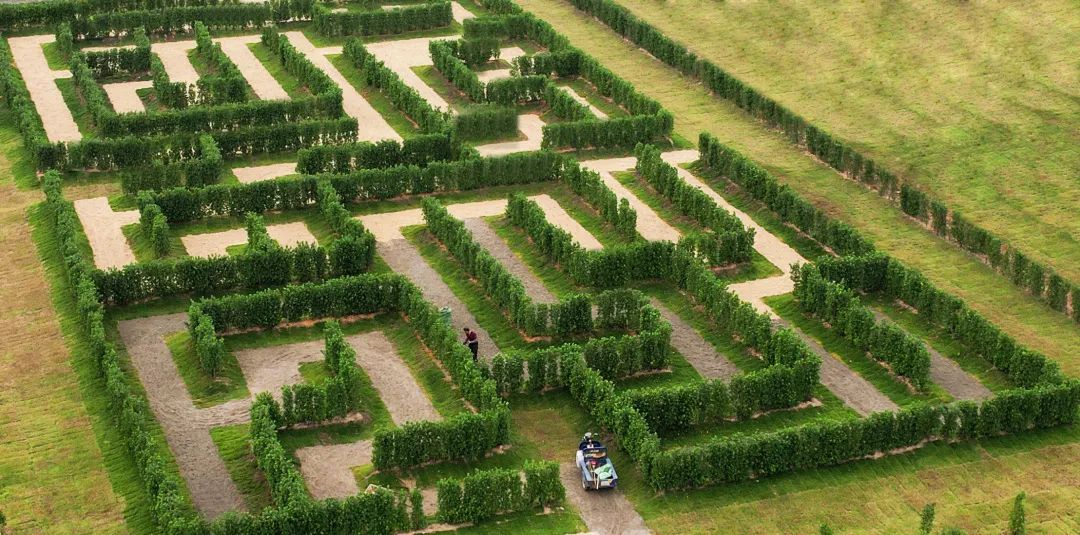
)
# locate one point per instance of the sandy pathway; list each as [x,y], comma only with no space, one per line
[498,248]
[247,175]
[405,399]
[604,512]
[265,86]
[124,97]
[372,125]
[582,100]
[174,57]
[701,354]
[948,374]
[649,224]
[849,386]
[41,82]
[327,470]
[529,124]
[401,56]
[559,217]
[404,258]
[103,228]
[267,369]
[186,428]
[216,243]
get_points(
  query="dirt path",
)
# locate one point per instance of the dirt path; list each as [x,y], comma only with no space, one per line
[559,217]
[401,56]
[948,374]
[103,229]
[247,175]
[267,369]
[754,291]
[403,258]
[405,399]
[40,80]
[124,96]
[498,248]
[649,224]
[529,124]
[327,470]
[265,86]
[701,354]
[186,428]
[604,512]
[174,57]
[215,243]
[372,125]
[582,100]
[849,386]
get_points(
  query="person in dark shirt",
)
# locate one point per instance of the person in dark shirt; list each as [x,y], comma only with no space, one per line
[473,342]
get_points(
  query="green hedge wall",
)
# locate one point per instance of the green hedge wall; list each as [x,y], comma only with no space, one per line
[780,198]
[881,274]
[404,97]
[485,493]
[833,303]
[484,121]
[741,457]
[340,159]
[377,21]
[203,169]
[171,19]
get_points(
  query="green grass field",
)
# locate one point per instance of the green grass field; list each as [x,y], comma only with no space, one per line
[977,103]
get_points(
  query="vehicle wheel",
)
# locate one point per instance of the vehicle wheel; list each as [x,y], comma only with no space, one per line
[585,485]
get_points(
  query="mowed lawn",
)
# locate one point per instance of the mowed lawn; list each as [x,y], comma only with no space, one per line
[945,264]
[52,473]
[976,102]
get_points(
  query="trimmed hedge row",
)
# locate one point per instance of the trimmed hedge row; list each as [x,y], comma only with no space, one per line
[1039,280]
[833,303]
[881,274]
[171,20]
[484,121]
[588,185]
[114,60]
[734,241]
[134,151]
[485,493]
[780,198]
[154,225]
[404,97]
[741,457]
[377,21]
[337,397]
[340,159]
[452,59]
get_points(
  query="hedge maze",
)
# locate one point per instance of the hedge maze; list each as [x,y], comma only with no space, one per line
[306,201]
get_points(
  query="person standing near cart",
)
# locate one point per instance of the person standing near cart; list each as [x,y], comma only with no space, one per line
[473,343]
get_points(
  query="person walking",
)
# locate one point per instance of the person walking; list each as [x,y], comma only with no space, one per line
[473,343]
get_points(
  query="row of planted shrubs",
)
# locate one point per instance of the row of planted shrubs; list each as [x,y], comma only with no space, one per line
[1040,280]
[581,130]
[742,456]
[880,274]
[485,493]
[378,21]
[258,267]
[406,99]
[886,342]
